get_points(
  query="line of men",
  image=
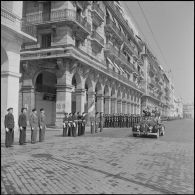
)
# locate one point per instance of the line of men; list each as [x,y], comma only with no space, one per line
[121,120]
[36,123]
[74,124]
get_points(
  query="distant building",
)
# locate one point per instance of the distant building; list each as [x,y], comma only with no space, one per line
[188,110]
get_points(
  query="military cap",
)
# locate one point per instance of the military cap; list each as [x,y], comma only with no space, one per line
[34,109]
[9,109]
[22,109]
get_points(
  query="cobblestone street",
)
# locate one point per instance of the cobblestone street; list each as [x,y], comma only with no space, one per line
[109,162]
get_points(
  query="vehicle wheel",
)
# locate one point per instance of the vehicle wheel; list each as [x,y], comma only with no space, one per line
[134,135]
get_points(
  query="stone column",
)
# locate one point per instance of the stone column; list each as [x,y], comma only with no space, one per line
[100,103]
[128,108]
[63,102]
[113,105]
[107,105]
[124,107]
[80,100]
[119,106]
[91,106]
[132,110]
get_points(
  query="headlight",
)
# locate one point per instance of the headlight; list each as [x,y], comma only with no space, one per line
[150,127]
[138,127]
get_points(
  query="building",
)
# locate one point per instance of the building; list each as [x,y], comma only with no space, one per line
[178,107]
[11,39]
[84,56]
[155,85]
[188,110]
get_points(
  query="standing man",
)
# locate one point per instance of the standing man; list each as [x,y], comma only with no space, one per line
[34,125]
[84,120]
[9,128]
[65,124]
[79,119]
[22,123]
[74,121]
[70,124]
[42,125]
[101,121]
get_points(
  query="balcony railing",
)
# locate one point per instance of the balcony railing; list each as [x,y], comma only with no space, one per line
[110,23]
[98,10]
[96,36]
[57,16]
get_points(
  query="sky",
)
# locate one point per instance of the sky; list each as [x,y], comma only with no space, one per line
[172,23]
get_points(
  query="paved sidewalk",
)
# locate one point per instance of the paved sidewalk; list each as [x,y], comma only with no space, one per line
[94,164]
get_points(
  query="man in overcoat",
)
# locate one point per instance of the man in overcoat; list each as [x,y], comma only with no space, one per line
[42,125]
[22,123]
[34,125]
[65,124]
[9,128]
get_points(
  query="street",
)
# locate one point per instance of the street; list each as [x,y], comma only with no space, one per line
[112,161]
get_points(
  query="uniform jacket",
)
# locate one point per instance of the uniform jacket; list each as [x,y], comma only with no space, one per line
[65,119]
[42,120]
[9,121]
[33,121]
[22,121]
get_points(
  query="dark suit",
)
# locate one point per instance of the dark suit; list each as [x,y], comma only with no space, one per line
[42,127]
[22,123]
[69,125]
[74,121]
[79,118]
[34,127]
[9,123]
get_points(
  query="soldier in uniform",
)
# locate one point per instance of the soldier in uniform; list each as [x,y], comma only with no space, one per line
[9,127]
[70,124]
[65,124]
[42,125]
[96,122]
[101,121]
[79,119]
[22,123]
[34,125]
[74,121]
[84,120]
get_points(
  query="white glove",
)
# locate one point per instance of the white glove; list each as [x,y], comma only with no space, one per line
[64,125]
[20,128]
[7,129]
[32,128]
[40,127]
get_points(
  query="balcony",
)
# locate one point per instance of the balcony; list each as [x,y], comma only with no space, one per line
[97,41]
[30,46]
[13,22]
[110,27]
[97,14]
[63,15]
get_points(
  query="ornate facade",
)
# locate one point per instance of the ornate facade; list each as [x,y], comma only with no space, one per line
[86,54]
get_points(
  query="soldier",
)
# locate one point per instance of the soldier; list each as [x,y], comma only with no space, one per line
[70,124]
[22,123]
[79,119]
[42,125]
[9,127]
[65,124]
[74,121]
[96,122]
[34,125]
[101,121]
[84,120]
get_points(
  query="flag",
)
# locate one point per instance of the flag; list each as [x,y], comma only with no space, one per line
[91,108]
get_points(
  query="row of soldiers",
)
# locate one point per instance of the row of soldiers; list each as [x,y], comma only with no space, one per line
[121,120]
[74,124]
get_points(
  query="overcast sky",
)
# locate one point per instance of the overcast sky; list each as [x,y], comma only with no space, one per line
[172,23]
